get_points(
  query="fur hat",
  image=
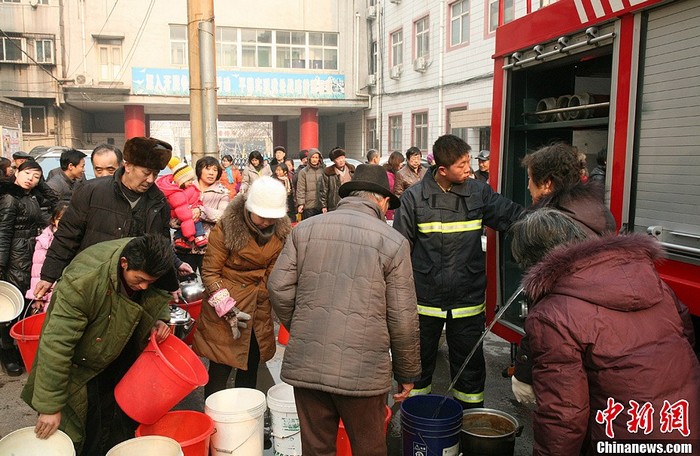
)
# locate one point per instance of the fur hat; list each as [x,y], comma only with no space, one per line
[335,153]
[267,198]
[182,172]
[370,178]
[149,153]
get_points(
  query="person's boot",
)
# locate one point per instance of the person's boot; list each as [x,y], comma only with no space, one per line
[9,358]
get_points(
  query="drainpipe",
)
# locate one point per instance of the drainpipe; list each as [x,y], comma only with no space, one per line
[357,66]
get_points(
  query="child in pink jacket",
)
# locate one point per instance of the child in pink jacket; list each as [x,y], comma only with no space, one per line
[185,201]
[43,242]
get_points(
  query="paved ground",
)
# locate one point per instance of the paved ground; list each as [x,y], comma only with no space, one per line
[15,414]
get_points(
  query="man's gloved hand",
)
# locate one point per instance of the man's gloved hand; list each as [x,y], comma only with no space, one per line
[237,320]
[522,391]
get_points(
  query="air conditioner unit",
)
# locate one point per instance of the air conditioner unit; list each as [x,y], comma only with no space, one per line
[371,80]
[83,79]
[420,64]
[371,12]
[395,72]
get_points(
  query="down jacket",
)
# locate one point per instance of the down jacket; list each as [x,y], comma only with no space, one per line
[181,201]
[43,242]
[235,261]
[88,325]
[99,212]
[343,286]
[308,185]
[604,325]
[21,220]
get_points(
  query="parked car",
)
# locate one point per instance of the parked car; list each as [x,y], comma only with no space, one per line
[38,151]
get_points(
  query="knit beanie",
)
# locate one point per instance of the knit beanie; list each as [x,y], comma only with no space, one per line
[267,198]
[182,172]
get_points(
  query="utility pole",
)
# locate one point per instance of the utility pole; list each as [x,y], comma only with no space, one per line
[202,64]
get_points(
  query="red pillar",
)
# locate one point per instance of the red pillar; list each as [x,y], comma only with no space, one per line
[308,128]
[279,133]
[134,121]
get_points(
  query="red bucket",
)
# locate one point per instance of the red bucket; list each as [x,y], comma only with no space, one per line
[283,335]
[342,442]
[194,308]
[26,332]
[192,430]
[160,378]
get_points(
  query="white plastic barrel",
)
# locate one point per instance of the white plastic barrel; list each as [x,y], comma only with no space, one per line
[284,420]
[238,415]
[23,442]
[151,445]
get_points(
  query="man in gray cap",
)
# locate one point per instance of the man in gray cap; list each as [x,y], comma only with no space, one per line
[343,285]
[483,173]
[127,205]
[20,157]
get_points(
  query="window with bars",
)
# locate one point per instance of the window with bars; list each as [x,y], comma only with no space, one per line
[44,51]
[459,23]
[397,48]
[34,119]
[372,142]
[420,130]
[11,49]
[422,39]
[395,132]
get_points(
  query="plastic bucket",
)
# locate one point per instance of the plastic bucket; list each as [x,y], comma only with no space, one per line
[342,442]
[426,434]
[192,430]
[238,415]
[152,445]
[11,302]
[23,442]
[26,332]
[283,336]
[194,308]
[284,420]
[160,378]
[489,432]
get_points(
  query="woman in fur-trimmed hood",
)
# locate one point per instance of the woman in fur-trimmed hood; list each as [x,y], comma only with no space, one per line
[235,328]
[603,327]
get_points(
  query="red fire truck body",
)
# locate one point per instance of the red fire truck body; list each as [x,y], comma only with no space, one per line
[634,67]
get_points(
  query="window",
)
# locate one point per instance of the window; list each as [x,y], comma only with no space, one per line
[395,133]
[178,44]
[373,59]
[256,46]
[459,22]
[420,130]
[397,48]
[44,51]
[110,55]
[34,119]
[11,49]
[10,1]
[226,46]
[508,13]
[422,30]
[291,49]
[372,134]
[323,51]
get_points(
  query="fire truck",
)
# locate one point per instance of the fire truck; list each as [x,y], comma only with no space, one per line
[617,74]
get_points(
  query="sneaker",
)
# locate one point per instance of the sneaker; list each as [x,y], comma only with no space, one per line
[201,241]
[182,244]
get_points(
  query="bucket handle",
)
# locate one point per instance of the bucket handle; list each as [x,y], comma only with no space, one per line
[284,436]
[244,440]
[24,317]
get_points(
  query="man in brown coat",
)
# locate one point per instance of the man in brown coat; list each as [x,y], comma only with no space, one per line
[410,174]
[343,285]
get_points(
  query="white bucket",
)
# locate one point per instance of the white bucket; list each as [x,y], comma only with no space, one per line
[238,415]
[23,442]
[284,420]
[11,302]
[151,445]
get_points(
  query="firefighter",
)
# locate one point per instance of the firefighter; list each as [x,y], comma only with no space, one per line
[442,216]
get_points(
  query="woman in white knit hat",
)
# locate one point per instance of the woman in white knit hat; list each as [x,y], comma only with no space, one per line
[235,329]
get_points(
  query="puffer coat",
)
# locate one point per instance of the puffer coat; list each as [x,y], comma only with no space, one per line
[181,201]
[250,175]
[603,325]
[21,221]
[235,261]
[308,186]
[88,325]
[343,285]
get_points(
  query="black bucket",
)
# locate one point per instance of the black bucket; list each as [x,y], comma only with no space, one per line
[488,432]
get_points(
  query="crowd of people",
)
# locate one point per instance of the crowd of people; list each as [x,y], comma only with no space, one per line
[364,301]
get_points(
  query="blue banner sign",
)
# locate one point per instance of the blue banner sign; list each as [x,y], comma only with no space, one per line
[159,81]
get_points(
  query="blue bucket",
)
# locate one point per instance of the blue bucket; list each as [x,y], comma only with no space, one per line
[425,435]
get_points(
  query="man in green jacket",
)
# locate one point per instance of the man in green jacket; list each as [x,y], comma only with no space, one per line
[102,313]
